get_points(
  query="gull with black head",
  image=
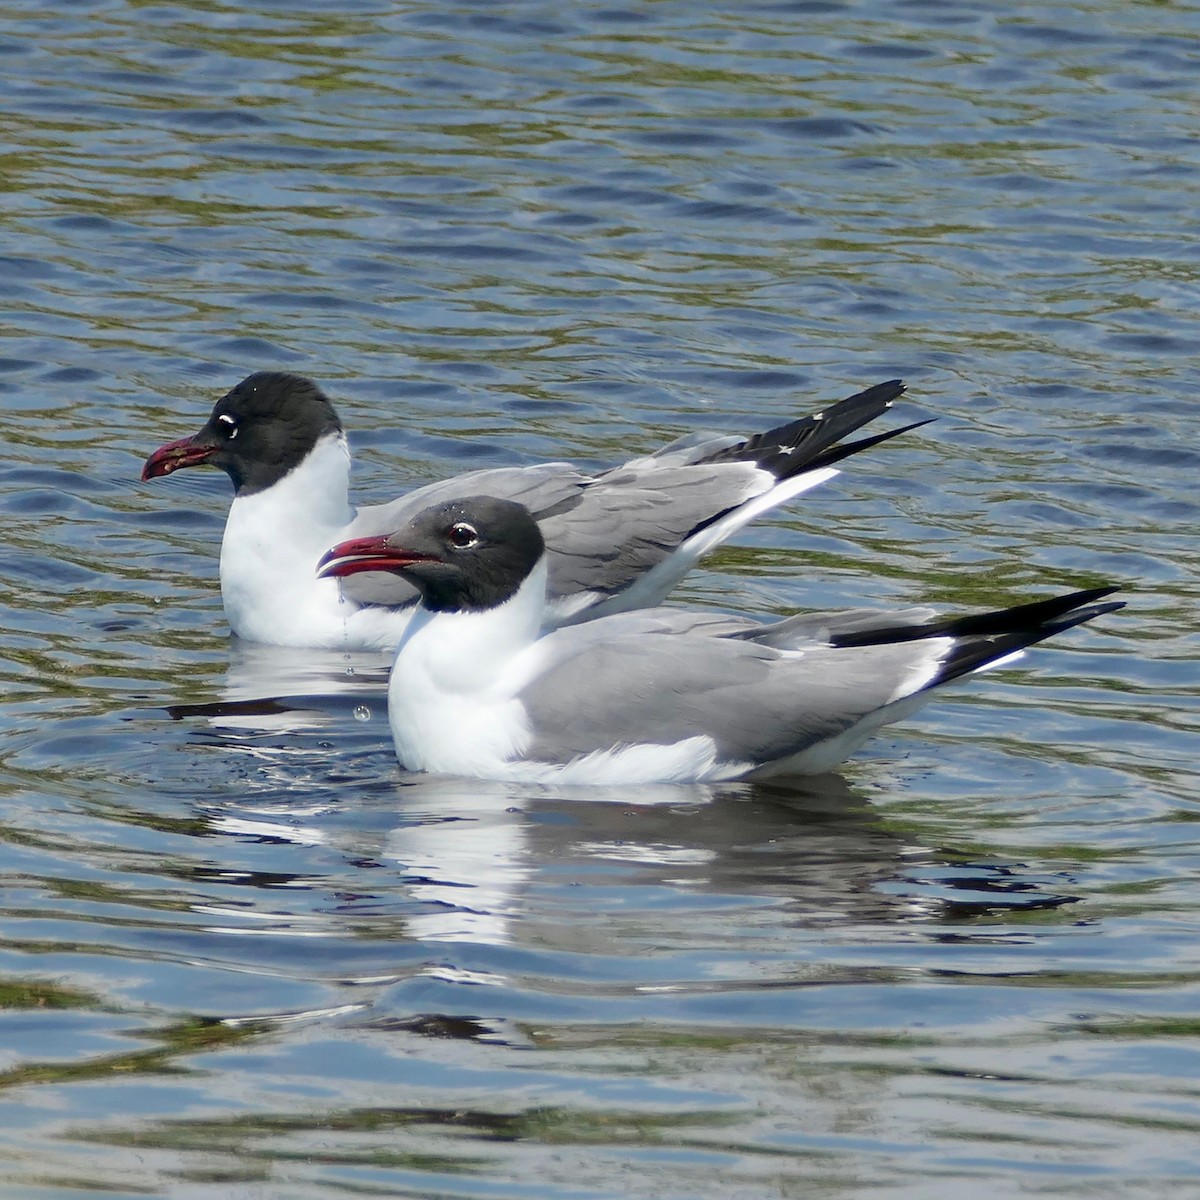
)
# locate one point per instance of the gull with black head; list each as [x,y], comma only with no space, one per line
[617,540]
[656,696]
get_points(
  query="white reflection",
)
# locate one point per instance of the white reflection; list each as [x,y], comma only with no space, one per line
[467,858]
[277,689]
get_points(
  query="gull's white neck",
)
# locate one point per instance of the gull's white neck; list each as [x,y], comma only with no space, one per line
[452,695]
[273,540]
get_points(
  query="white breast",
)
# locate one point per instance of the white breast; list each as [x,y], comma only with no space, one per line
[273,540]
[453,697]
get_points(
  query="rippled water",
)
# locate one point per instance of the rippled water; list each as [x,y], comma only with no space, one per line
[243,956]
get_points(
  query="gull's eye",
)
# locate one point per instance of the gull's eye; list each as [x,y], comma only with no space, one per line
[462,536]
[229,424]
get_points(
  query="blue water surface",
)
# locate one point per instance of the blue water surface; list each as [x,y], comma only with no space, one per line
[242,955]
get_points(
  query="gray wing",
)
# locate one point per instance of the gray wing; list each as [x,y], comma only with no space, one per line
[804,631]
[604,532]
[756,703]
[760,704]
[636,517]
[819,629]
[559,646]
[626,521]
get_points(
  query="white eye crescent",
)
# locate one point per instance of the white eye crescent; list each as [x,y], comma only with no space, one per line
[462,536]
[231,422]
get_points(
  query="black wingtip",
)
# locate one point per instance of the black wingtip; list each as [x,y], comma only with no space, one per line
[975,652]
[837,453]
[978,641]
[789,449]
[1021,617]
[1028,616]
[886,393]
[1093,610]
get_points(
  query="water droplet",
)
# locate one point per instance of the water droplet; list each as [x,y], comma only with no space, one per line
[362,713]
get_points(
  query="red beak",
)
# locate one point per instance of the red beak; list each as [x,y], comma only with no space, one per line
[175,455]
[366,554]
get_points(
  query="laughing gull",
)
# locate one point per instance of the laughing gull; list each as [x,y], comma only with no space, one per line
[657,696]
[617,540]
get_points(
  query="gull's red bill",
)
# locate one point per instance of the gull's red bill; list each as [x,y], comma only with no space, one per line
[366,554]
[174,455]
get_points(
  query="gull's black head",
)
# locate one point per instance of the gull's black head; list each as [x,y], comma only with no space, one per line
[257,433]
[463,556]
